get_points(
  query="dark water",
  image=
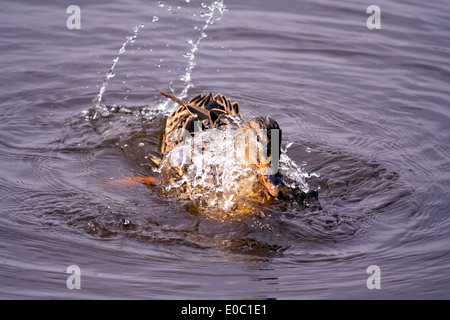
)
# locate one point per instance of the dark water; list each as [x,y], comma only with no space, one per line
[367,110]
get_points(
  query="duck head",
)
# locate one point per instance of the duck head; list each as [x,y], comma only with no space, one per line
[261,139]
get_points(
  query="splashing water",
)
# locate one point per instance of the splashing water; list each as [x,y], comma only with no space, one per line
[294,176]
[215,174]
[216,10]
[208,169]
[99,107]
[214,14]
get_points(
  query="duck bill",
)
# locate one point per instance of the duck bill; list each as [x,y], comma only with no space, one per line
[275,185]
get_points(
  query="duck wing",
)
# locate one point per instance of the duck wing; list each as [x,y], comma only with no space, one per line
[207,107]
[195,114]
[212,107]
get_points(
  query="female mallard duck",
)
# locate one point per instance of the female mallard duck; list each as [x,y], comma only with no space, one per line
[261,138]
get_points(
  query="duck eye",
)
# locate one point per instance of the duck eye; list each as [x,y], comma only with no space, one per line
[257,137]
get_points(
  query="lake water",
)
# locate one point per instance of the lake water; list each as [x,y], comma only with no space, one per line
[367,112]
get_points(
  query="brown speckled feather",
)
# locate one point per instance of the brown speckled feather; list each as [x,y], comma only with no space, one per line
[196,114]
[205,112]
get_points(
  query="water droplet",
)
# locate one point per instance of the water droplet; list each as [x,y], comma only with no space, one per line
[204,5]
[308,149]
[161,4]
[155,19]
[187,1]
[141,144]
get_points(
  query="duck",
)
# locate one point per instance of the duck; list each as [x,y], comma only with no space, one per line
[260,138]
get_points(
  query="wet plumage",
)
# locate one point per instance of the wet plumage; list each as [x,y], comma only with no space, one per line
[206,112]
